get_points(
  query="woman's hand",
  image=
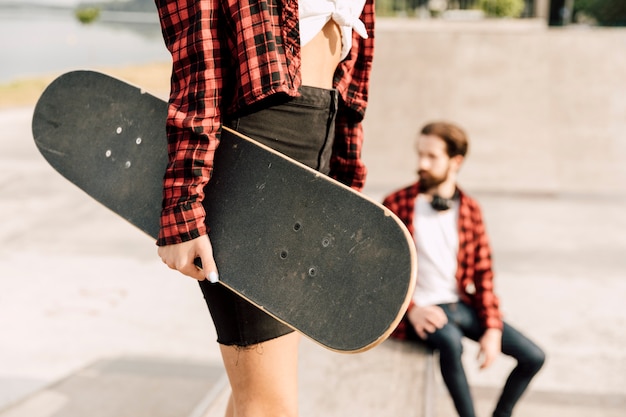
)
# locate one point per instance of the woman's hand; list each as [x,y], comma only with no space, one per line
[181,257]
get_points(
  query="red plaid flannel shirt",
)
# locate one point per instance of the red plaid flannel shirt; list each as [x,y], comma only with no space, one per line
[474,273]
[227,55]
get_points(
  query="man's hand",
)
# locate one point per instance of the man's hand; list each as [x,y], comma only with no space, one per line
[181,257]
[490,347]
[427,319]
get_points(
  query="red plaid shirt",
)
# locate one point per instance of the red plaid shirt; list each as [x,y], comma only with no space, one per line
[474,272]
[227,55]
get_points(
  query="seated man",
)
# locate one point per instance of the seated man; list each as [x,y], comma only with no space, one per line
[454,294]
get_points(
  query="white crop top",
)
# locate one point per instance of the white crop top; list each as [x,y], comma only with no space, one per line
[314,14]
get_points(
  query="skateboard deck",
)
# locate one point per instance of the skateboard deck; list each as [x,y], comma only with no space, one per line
[317,255]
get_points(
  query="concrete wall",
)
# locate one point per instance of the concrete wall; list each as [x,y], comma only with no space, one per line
[545,108]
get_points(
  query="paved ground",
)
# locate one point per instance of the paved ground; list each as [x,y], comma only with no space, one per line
[79,287]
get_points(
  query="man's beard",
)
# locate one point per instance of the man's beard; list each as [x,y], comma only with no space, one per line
[429,181]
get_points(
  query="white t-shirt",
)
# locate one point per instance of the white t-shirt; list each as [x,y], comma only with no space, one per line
[437,242]
[315,13]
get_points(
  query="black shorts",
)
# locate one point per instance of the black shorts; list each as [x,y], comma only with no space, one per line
[302,128]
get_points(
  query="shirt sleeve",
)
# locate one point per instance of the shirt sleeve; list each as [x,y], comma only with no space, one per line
[486,301]
[352,82]
[346,164]
[194,116]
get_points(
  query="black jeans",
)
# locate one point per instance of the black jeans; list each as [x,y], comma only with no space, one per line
[463,321]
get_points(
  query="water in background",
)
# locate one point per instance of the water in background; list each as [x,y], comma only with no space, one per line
[49,41]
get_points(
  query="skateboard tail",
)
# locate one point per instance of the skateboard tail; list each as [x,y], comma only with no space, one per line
[105,159]
[362,266]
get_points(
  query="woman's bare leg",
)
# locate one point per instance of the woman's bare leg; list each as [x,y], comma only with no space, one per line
[263,378]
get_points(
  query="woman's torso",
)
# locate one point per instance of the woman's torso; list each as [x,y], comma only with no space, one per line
[326,37]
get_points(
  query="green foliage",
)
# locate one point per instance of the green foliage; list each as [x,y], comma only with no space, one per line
[604,12]
[87,15]
[395,7]
[493,8]
[502,8]
[121,5]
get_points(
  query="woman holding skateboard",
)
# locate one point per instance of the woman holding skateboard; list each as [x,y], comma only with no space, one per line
[293,75]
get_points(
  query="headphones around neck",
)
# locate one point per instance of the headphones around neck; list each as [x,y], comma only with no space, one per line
[439,203]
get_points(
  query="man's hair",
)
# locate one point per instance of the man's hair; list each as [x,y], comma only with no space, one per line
[454,137]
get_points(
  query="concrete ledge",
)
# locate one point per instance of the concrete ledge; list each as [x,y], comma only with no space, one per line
[392,379]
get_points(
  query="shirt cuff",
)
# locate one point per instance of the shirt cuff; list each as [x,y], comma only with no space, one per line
[181,224]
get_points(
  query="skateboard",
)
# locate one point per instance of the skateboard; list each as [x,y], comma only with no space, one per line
[318,256]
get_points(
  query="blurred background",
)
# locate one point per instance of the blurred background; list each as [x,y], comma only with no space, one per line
[539,87]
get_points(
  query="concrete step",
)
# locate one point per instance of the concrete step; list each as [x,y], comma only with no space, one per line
[537,403]
[127,387]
